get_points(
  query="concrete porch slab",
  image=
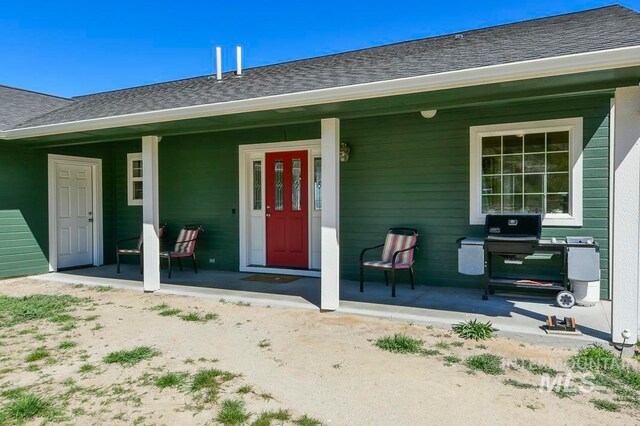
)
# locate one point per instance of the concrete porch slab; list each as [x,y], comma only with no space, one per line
[516,315]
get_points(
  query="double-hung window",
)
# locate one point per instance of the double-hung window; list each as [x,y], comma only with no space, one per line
[532,167]
[134,179]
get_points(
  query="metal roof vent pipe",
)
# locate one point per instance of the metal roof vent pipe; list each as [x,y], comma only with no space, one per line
[218,63]
[238,61]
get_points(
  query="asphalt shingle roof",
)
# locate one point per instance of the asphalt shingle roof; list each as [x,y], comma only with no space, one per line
[598,29]
[18,106]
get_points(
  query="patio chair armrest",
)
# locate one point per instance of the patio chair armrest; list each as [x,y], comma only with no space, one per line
[367,249]
[395,254]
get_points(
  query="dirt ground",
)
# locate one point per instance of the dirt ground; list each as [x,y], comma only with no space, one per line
[323,365]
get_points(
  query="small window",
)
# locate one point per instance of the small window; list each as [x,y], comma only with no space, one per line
[257,185]
[134,179]
[533,167]
[317,183]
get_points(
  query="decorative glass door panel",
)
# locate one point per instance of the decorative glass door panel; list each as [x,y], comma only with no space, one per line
[287,199]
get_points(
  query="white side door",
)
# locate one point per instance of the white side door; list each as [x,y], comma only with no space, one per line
[74,192]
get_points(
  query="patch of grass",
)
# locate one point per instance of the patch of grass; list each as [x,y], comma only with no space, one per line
[429,352]
[337,366]
[160,307]
[243,390]
[13,393]
[67,344]
[132,356]
[474,329]
[68,326]
[457,344]
[266,396]
[487,363]
[307,421]
[37,355]
[209,382]
[603,404]
[139,420]
[265,343]
[233,412]
[442,345]
[562,392]
[452,359]
[103,288]
[171,380]
[267,417]
[519,385]
[92,317]
[243,304]
[196,317]
[86,368]
[607,368]
[62,318]
[20,310]
[27,407]
[400,343]
[169,312]
[536,368]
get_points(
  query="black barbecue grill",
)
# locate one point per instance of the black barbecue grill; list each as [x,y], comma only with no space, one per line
[516,238]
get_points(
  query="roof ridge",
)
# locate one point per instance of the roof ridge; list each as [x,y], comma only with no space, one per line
[35,92]
[434,37]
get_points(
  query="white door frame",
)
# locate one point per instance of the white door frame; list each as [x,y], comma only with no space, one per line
[255,151]
[96,170]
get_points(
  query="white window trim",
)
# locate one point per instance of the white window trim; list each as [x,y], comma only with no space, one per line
[573,125]
[131,157]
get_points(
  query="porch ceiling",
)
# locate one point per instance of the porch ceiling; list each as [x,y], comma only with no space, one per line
[517,91]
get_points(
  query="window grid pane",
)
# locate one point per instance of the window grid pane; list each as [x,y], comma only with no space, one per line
[295,183]
[525,173]
[279,186]
[257,185]
[317,184]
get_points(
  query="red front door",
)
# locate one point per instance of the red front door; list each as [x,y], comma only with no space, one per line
[287,209]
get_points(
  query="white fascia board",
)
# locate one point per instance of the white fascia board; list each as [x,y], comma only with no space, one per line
[546,67]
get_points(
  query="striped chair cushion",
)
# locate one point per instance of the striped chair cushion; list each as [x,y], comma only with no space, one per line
[186,242]
[386,265]
[396,242]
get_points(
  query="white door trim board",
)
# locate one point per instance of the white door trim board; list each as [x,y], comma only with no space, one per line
[96,169]
[247,154]
[625,245]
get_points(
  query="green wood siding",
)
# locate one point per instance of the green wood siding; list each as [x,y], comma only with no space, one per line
[24,238]
[403,170]
[406,170]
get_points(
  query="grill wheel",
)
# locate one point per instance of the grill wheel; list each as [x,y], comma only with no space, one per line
[565,299]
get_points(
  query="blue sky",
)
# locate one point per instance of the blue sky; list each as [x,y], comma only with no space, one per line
[71,48]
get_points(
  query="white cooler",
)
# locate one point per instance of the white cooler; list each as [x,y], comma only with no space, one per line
[471,256]
[584,273]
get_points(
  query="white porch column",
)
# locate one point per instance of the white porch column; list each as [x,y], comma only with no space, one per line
[330,250]
[150,213]
[625,246]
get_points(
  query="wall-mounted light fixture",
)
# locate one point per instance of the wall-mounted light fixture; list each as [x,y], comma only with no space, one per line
[344,152]
[429,113]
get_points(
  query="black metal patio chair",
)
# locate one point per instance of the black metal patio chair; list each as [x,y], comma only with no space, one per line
[122,250]
[397,254]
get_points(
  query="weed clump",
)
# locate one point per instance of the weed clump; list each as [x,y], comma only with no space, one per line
[474,329]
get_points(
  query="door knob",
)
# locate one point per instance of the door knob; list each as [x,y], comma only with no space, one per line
[90,220]
[268,215]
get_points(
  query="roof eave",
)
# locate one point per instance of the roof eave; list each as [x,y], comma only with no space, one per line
[524,70]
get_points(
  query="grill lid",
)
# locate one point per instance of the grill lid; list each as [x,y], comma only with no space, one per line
[517,226]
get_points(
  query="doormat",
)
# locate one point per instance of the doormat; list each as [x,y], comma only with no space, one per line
[271,278]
